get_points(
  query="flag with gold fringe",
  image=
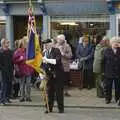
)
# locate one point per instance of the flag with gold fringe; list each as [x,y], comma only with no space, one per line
[34,55]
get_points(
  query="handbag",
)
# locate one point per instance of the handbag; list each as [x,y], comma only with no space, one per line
[80,65]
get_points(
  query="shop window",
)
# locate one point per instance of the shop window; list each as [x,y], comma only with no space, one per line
[74,30]
[2,30]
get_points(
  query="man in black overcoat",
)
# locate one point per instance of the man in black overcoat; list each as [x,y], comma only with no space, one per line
[112,70]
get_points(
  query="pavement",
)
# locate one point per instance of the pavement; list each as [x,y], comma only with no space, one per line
[33,113]
[82,105]
[79,99]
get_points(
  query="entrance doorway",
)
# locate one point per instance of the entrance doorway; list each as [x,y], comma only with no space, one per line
[20,25]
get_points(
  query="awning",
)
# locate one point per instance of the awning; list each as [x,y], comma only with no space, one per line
[76,7]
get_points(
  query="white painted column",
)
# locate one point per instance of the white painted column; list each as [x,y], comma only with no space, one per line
[46,27]
[113,26]
[9,30]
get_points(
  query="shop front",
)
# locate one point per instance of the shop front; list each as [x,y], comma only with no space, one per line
[74,27]
[114,13]
[16,18]
[74,19]
[2,26]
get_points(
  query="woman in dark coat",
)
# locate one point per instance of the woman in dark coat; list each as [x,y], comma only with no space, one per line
[85,53]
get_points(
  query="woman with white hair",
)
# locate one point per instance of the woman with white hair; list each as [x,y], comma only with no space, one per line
[112,70]
[66,53]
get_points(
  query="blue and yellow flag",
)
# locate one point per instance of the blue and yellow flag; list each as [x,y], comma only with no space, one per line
[34,55]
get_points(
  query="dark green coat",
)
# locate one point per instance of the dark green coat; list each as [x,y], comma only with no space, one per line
[98,58]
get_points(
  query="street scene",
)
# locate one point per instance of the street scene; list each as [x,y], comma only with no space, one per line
[59,59]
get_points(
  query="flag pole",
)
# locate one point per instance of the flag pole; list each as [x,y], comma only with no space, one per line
[44,92]
[30,3]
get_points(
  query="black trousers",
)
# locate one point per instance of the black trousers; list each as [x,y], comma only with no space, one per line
[108,82]
[88,80]
[56,90]
[66,79]
[16,88]
[9,89]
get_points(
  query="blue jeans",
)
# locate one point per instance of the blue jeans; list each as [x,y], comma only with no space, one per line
[3,96]
[25,89]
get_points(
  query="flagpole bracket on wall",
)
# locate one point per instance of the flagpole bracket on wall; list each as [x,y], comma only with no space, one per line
[43,8]
[6,9]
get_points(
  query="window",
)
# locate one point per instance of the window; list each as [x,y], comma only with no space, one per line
[2,30]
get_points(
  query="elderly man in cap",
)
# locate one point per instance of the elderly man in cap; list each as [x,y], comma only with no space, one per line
[112,70]
[54,70]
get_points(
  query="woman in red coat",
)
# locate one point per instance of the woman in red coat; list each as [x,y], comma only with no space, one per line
[23,70]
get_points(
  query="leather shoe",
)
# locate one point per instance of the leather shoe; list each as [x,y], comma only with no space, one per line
[22,100]
[119,103]
[107,101]
[116,100]
[46,112]
[61,111]
[28,100]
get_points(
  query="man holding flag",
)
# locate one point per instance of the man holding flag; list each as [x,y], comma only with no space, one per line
[54,70]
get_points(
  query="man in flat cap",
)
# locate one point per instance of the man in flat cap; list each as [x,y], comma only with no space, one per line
[54,70]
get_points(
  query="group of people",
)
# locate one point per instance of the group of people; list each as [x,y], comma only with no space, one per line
[104,61]
[14,69]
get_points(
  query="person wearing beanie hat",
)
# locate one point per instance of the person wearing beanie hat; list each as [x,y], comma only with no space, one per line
[66,53]
[111,70]
[98,65]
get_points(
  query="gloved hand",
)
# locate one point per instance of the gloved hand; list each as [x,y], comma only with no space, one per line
[44,59]
[83,58]
[51,61]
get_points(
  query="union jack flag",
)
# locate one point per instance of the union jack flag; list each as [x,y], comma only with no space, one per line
[34,55]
